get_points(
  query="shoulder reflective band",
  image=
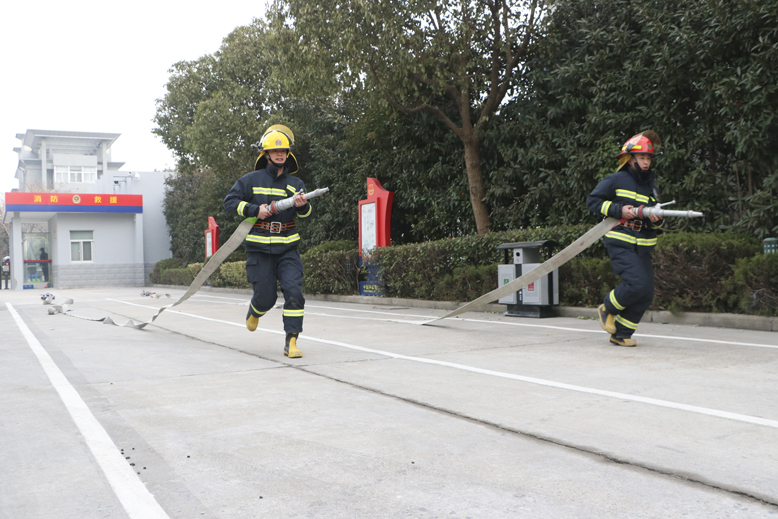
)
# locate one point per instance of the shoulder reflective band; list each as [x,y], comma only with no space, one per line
[571,251]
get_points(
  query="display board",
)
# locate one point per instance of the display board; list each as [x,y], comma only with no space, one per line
[367,221]
[374,231]
[375,217]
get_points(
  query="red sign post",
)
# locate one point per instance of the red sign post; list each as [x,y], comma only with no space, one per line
[211,238]
[375,216]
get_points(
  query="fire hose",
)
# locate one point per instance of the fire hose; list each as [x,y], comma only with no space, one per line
[568,253]
[208,269]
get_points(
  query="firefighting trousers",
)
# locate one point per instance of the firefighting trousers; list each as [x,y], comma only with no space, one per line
[265,272]
[630,299]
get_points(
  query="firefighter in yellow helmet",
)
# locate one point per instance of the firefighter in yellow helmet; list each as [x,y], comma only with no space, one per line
[629,244]
[271,246]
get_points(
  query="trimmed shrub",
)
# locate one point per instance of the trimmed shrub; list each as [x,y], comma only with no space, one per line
[233,275]
[691,269]
[413,270]
[585,281]
[170,263]
[465,284]
[180,276]
[334,246]
[333,272]
[754,285]
[195,268]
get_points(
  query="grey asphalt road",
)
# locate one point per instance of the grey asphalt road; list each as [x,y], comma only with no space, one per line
[483,416]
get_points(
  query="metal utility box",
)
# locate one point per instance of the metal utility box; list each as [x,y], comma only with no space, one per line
[537,298]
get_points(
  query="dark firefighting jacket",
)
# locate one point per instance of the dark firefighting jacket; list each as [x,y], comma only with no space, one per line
[626,187]
[262,187]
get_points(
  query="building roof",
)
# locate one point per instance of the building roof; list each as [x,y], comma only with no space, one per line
[83,143]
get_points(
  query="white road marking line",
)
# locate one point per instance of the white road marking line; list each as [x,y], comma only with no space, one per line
[244,303]
[504,323]
[244,299]
[538,381]
[362,318]
[694,339]
[526,325]
[426,317]
[136,499]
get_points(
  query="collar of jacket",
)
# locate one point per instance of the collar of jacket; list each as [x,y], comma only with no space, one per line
[272,171]
[640,179]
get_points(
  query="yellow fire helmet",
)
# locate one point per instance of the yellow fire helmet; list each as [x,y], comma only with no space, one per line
[647,141]
[277,137]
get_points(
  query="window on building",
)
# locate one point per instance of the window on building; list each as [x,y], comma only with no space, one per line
[75,174]
[81,245]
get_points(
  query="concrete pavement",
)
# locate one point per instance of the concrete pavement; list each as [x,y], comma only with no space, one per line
[484,416]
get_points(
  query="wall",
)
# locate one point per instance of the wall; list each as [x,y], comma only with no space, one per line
[113,251]
[156,236]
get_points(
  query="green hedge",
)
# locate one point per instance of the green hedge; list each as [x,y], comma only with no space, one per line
[753,287]
[228,275]
[175,276]
[415,270]
[585,281]
[165,264]
[331,272]
[465,283]
[693,272]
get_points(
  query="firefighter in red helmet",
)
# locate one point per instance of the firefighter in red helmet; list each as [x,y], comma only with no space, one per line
[629,244]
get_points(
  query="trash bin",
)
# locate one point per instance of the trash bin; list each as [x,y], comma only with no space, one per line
[537,299]
[770,245]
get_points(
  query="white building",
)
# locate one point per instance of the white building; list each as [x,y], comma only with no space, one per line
[99,226]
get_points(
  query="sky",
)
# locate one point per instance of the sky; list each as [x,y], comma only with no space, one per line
[99,66]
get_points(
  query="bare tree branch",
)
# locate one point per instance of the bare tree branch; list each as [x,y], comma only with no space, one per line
[429,108]
[493,101]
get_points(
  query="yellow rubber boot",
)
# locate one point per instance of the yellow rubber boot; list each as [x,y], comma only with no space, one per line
[290,350]
[606,320]
[623,341]
[251,321]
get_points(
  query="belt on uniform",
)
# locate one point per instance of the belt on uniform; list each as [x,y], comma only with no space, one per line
[635,225]
[274,227]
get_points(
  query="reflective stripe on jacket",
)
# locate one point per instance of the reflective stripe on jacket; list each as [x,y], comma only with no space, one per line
[262,187]
[618,190]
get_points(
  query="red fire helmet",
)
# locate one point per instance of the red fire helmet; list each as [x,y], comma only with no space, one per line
[644,142]
[637,144]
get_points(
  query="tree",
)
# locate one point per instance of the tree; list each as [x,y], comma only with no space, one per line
[416,53]
[214,109]
[217,106]
[704,75]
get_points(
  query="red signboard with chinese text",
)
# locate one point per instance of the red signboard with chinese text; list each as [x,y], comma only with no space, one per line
[73,203]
